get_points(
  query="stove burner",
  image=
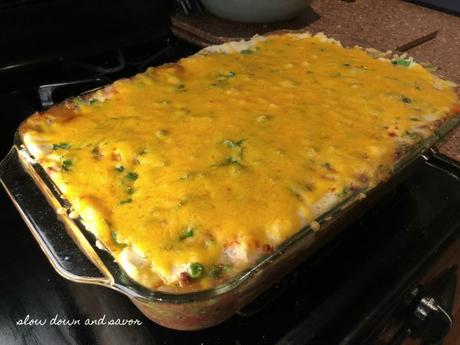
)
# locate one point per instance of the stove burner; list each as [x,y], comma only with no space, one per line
[120,64]
[66,77]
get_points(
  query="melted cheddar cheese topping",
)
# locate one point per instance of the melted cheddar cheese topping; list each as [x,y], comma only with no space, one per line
[194,169]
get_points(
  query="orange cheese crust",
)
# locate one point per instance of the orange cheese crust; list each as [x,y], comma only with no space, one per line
[190,172]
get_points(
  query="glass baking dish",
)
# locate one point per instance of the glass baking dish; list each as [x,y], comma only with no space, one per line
[73,251]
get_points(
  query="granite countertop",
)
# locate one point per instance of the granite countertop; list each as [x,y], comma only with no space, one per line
[383,24]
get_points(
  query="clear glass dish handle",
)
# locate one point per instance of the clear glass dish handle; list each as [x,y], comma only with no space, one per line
[51,233]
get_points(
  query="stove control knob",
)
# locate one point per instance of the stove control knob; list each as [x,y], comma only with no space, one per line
[431,321]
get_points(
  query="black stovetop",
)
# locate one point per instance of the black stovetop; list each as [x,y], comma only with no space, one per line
[340,295]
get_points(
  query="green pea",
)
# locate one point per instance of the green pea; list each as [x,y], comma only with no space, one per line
[195,270]
[401,62]
[132,176]
[66,164]
[186,234]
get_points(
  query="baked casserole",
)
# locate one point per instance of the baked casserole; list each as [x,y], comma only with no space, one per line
[190,172]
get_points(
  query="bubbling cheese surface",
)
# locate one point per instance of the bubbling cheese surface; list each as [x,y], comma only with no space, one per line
[216,160]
